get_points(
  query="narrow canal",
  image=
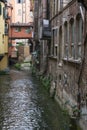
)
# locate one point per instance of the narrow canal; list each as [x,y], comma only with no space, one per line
[25,105]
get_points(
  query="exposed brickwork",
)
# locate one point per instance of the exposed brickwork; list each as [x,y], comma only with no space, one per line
[20,34]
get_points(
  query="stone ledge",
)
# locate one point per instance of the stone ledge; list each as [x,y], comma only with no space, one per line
[76,61]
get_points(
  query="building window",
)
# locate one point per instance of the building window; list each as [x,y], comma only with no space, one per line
[6,28]
[54,42]
[31,14]
[79,31]
[53,32]
[55,7]
[60,44]
[19,1]
[18,29]
[4,13]
[72,37]
[0,9]
[56,51]
[28,30]
[65,39]
[61,4]
[3,38]
[19,12]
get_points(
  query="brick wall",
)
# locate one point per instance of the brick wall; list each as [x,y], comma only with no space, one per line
[68,71]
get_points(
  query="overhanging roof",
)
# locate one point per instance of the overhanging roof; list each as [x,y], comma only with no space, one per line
[21,24]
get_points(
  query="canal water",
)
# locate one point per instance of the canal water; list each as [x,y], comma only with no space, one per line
[26,105]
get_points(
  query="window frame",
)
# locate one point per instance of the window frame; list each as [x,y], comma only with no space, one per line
[79,32]
[71,37]
[54,51]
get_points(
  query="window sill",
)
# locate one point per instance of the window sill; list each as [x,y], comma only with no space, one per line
[77,61]
[53,57]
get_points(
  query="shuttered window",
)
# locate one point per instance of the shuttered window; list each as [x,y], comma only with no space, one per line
[4,14]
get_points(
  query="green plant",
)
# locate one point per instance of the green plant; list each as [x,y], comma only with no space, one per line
[20,44]
[17,66]
[76,111]
[33,69]
[45,81]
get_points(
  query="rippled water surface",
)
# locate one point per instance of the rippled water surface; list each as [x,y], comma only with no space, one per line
[25,105]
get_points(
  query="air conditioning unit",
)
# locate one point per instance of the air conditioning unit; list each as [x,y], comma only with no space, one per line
[45,30]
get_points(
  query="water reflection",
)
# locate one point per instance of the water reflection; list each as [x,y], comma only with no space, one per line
[25,105]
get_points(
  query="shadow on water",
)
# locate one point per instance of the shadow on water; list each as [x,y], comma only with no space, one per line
[52,113]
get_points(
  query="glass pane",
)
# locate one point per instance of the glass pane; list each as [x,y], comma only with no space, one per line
[79,51]
[73,51]
[66,51]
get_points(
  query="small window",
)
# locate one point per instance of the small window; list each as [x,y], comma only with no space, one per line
[18,29]
[60,43]
[19,12]
[56,50]
[72,39]
[27,30]
[79,35]
[66,40]
[0,9]
[4,13]
[6,28]
[19,1]
[3,38]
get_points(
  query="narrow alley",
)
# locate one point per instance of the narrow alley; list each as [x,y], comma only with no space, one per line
[25,105]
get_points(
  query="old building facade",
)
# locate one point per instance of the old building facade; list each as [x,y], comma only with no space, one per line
[42,32]
[21,24]
[66,46]
[3,37]
[65,51]
[67,54]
